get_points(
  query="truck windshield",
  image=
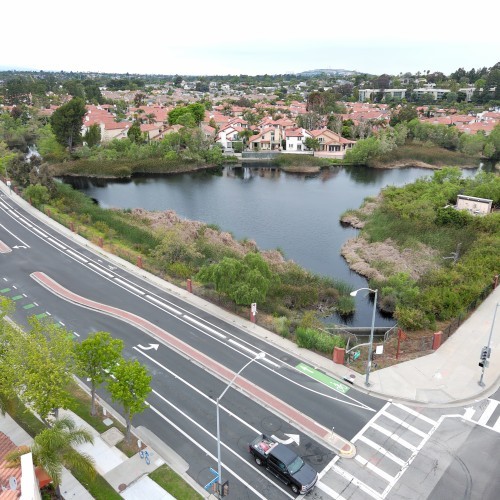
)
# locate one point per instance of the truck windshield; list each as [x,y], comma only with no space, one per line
[295,466]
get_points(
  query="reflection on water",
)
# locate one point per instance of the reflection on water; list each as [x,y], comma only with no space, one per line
[299,214]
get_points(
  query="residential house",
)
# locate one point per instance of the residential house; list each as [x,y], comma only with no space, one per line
[228,135]
[331,144]
[110,129]
[268,139]
[295,139]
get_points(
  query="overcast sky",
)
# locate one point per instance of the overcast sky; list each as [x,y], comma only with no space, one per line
[248,37]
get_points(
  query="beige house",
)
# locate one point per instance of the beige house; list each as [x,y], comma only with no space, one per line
[331,144]
[268,139]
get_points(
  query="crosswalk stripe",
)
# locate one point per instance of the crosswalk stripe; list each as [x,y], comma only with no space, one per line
[356,482]
[405,425]
[396,438]
[374,468]
[382,450]
[331,493]
[496,427]
[492,405]
[411,411]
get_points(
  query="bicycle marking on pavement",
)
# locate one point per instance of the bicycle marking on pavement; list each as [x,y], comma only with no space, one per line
[323,378]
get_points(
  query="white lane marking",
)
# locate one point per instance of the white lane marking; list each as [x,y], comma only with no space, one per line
[411,411]
[252,353]
[402,423]
[200,324]
[131,287]
[41,233]
[373,468]
[47,313]
[52,240]
[13,213]
[25,222]
[354,480]
[331,493]
[162,304]
[207,453]
[76,256]
[61,323]
[393,436]
[100,270]
[17,238]
[77,334]
[381,450]
[2,204]
[492,405]
[195,389]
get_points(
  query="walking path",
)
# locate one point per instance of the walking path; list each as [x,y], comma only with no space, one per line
[448,376]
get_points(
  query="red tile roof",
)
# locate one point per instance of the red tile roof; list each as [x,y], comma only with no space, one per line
[6,446]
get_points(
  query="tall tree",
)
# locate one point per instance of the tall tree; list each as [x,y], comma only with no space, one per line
[66,122]
[44,359]
[130,387]
[96,357]
[7,368]
[93,135]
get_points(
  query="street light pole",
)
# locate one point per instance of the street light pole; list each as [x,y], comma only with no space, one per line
[370,347]
[260,355]
[488,345]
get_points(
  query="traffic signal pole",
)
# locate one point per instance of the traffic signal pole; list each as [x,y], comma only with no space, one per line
[486,350]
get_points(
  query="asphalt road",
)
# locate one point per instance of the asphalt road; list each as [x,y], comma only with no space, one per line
[182,411]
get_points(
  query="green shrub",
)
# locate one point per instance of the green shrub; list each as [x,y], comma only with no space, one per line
[346,305]
[282,326]
[306,337]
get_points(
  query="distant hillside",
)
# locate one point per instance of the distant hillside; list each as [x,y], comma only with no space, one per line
[329,72]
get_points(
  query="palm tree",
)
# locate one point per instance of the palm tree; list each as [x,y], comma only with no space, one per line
[53,449]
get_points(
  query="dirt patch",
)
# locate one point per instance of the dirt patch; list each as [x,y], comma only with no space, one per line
[168,219]
[357,218]
[382,259]
[405,164]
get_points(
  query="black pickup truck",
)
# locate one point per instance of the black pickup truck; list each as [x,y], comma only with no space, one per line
[284,463]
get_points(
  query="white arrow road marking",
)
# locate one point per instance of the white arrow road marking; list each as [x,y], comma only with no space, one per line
[151,346]
[292,438]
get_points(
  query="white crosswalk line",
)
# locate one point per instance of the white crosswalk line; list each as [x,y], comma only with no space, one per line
[405,425]
[382,450]
[331,493]
[411,411]
[373,468]
[394,436]
[496,426]
[490,409]
[354,480]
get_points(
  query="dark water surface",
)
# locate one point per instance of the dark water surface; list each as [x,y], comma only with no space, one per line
[299,214]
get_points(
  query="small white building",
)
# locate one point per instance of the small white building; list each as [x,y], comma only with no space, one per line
[475,206]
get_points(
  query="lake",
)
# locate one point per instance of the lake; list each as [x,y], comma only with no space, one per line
[297,213]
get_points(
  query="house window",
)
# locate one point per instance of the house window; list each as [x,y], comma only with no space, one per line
[320,140]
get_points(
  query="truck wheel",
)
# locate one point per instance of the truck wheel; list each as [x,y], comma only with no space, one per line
[295,489]
[258,461]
